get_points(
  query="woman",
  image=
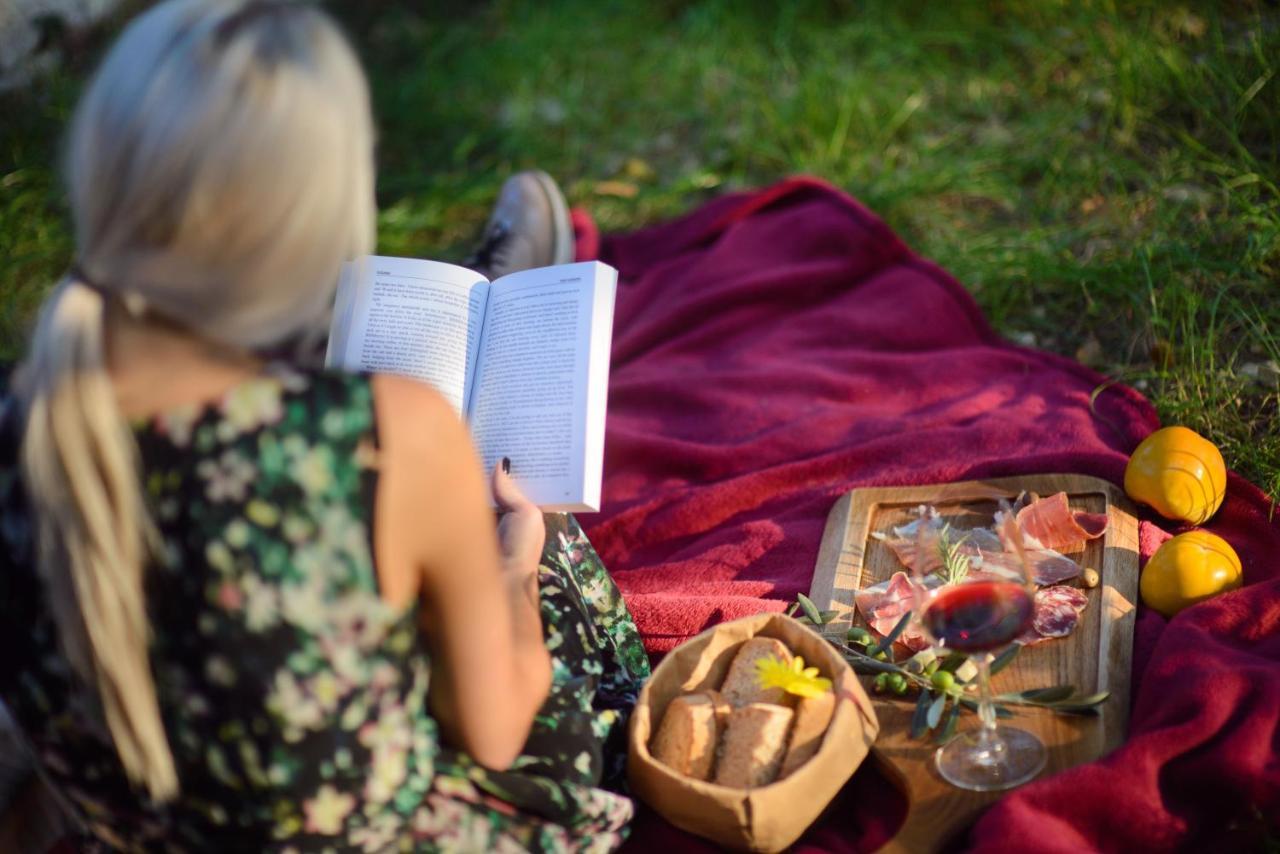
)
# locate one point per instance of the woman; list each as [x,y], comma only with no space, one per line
[246,606]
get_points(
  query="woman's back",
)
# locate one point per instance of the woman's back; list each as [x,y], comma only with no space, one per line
[293,696]
[208,619]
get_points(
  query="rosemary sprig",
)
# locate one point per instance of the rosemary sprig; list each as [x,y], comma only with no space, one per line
[955,566]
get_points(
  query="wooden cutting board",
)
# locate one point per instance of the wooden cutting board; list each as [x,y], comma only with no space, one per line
[1095,657]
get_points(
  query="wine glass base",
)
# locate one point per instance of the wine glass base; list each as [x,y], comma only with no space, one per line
[1006,758]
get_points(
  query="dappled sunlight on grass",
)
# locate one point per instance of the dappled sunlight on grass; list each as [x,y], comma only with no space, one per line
[1103,179]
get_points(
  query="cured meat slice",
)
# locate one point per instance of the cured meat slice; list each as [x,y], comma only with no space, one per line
[1047,566]
[882,606]
[1054,525]
[1057,612]
[909,539]
[978,544]
[1058,609]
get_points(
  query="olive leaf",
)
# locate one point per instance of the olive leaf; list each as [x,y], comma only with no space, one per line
[919,720]
[935,710]
[810,609]
[1059,698]
[1048,695]
[1086,705]
[1004,659]
[862,664]
[887,643]
[972,705]
[949,728]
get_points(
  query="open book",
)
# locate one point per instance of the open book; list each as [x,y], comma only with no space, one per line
[524,359]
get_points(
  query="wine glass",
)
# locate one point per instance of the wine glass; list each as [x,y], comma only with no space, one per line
[979,615]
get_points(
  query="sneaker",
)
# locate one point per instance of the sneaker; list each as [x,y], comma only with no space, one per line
[529,228]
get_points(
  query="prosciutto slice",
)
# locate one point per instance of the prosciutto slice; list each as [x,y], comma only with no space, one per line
[882,606]
[1047,566]
[908,539]
[986,553]
[1054,525]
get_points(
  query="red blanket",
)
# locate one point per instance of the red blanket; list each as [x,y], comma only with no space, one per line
[775,349]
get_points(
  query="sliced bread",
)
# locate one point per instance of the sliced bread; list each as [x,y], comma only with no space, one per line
[722,709]
[813,716]
[753,745]
[686,738]
[741,685]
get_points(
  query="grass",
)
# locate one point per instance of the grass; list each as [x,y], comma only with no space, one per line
[1103,176]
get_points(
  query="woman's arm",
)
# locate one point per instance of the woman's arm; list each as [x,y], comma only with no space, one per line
[435,538]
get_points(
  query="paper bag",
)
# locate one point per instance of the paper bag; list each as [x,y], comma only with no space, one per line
[771,817]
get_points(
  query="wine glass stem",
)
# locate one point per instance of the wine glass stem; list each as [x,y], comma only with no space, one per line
[987,739]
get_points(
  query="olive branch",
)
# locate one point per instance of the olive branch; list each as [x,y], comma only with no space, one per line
[943,682]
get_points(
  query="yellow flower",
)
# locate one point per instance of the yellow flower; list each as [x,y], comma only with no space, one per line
[794,678]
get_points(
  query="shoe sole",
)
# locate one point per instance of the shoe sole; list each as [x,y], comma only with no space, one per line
[561,225]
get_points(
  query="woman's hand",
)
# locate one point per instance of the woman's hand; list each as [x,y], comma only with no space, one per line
[521,530]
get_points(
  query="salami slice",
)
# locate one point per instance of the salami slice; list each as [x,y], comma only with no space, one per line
[1058,610]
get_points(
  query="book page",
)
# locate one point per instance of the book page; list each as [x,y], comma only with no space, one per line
[542,379]
[343,303]
[420,319]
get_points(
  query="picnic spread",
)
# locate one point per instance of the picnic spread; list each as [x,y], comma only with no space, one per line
[774,350]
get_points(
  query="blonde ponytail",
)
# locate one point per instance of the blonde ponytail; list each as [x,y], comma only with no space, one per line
[93,532]
[220,171]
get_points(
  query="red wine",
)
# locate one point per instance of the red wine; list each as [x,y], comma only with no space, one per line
[980,616]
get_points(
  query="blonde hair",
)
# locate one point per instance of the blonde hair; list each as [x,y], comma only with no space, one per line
[220,171]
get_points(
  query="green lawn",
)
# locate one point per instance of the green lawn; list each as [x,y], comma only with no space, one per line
[1104,178]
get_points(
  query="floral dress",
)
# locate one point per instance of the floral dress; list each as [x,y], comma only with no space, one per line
[294,698]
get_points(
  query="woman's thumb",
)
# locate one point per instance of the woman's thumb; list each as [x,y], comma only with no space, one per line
[505,491]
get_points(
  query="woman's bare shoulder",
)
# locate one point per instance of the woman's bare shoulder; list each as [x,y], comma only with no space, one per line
[413,416]
[431,491]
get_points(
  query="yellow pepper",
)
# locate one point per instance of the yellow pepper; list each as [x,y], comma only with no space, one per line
[1187,569]
[1179,473]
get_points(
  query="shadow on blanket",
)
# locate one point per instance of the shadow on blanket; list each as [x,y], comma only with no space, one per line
[775,349]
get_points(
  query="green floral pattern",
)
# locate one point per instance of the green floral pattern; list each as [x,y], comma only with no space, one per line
[293,697]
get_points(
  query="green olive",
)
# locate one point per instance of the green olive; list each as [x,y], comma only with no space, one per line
[882,682]
[944,681]
[857,634]
[898,683]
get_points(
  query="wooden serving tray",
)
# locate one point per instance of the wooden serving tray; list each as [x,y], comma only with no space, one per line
[1095,657]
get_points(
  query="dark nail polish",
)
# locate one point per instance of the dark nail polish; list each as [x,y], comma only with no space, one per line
[506,465]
